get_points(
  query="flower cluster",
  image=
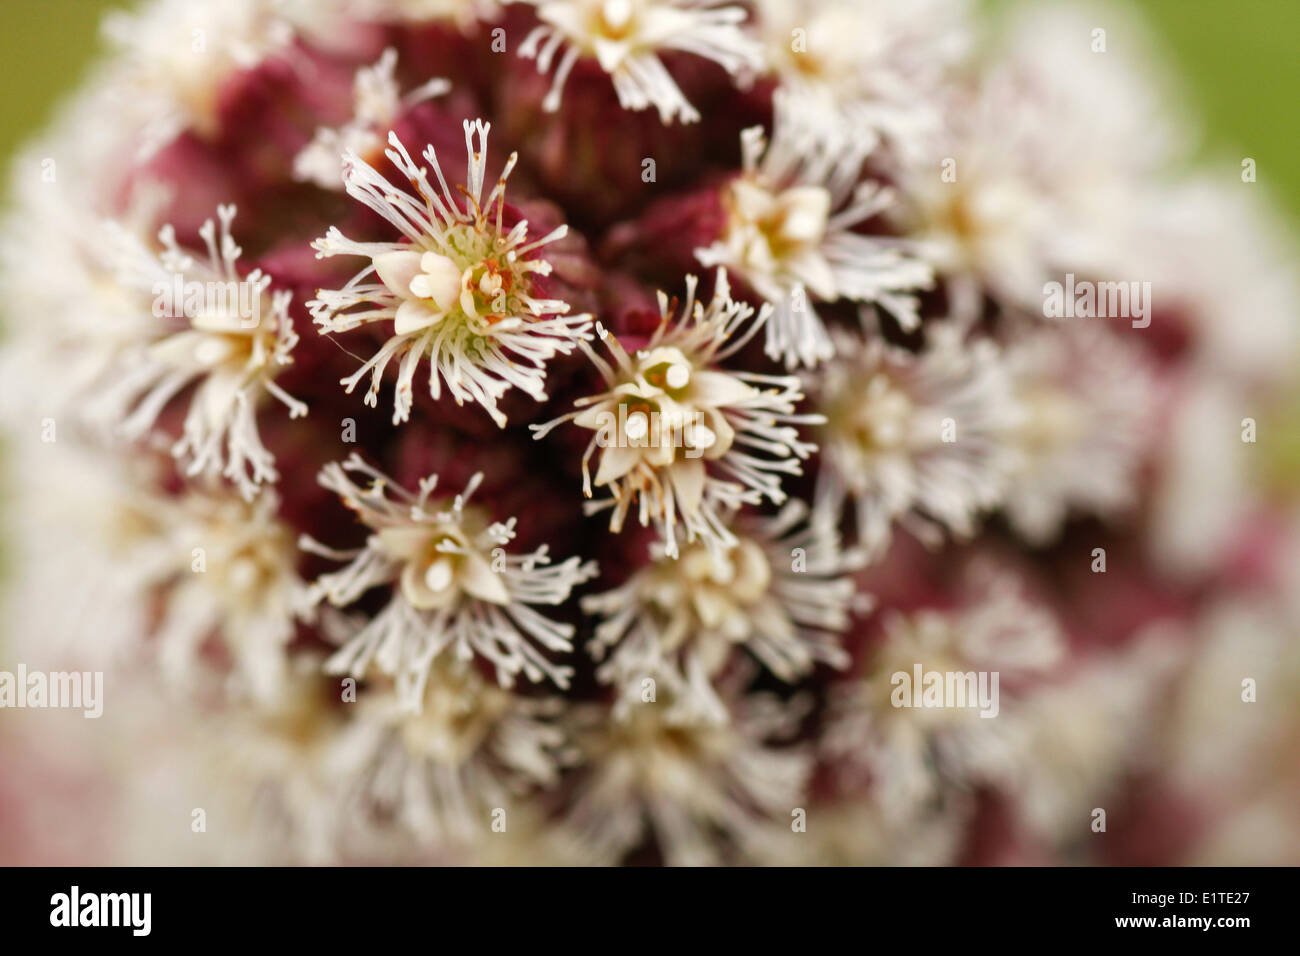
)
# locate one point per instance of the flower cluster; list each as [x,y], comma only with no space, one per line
[770,281]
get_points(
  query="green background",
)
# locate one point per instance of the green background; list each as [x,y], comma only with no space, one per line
[1238,60]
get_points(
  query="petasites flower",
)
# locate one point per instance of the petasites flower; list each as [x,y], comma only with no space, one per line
[457,286]
[471,748]
[896,722]
[674,429]
[233,584]
[876,64]
[915,437]
[1088,397]
[791,217]
[783,591]
[454,586]
[176,55]
[233,341]
[705,791]
[626,37]
[377,101]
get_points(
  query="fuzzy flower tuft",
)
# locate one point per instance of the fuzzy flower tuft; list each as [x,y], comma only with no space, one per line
[377,101]
[233,341]
[705,790]
[877,728]
[918,438]
[454,586]
[791,216]
[626,37]
[783,591]
[457,288]
[176,54]
[470,748]
[677,434]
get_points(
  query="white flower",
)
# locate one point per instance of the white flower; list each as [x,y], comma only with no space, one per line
[457,288]
[58,258]
[378,99]
[919,438]
[130,569]
[1238,757]
[669,414]
[1088,401]
[234,342]
[1007,195]
[705,791]
[979,216]
[1078,738]
[912,754]
[626,37]
[454,585]
[878,64]
[789,230]
[1217,742]
[61,265]
[233,578]
[278,773]
[1226,260]
[1125,94]
[176,54]
[783,591]
[473,747]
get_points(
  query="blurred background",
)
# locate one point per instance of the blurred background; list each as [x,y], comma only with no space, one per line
[1237,59]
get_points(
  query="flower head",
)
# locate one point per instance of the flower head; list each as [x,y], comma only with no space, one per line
[233,341]
[705,791]
[670,415]
[626,37]
[472,747]
[70,271]
[913,752]
[1002,196]
[876,64]
[204,581]
[916,437]
[177,54]
[789,230]
[280,772]
[1088,400]
[890,224]
[233,577]
[377,101]
[454,586]
[458,287]
[1080,737]
[782,591]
